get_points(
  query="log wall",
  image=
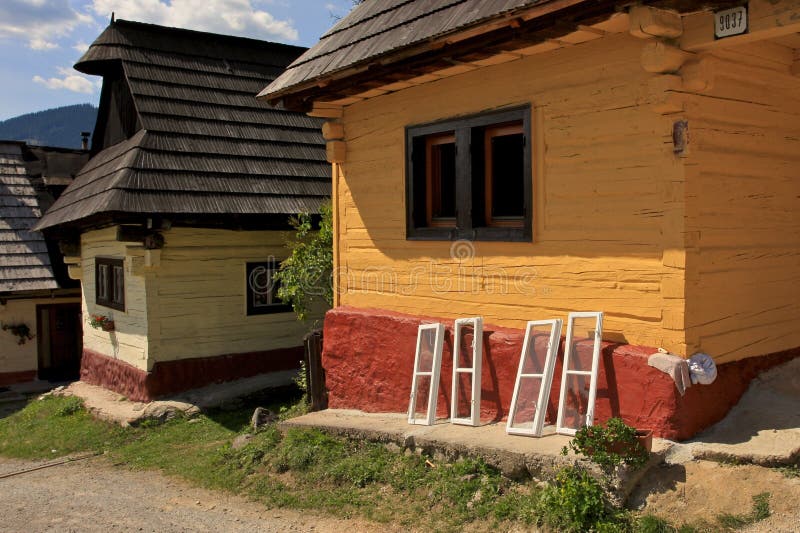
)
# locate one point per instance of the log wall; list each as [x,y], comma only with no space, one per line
[608,217]
[743,204]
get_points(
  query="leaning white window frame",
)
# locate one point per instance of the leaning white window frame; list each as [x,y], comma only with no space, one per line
[474,418]
[568,349]
[433,373]
[545,378]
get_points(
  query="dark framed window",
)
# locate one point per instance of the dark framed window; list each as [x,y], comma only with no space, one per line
[262,289]
[470,178]
[109,282]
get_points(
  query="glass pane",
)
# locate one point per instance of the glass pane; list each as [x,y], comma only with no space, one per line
[422,397]
[508,175]
[466,344]
[536,356]
[580,357]
[527,398]
[576,402]
[427,343]
[463,394]
[443,180]
[119,285]
[102,282]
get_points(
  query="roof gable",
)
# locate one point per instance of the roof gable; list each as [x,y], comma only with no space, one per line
[202,143]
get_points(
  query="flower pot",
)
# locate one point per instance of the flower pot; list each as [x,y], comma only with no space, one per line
[107,325]
[645,438]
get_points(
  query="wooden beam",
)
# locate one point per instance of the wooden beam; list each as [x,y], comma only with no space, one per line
[647,22]
[663,58]
[324,110]
[335,151]
[698,76]
[332,131]
[767,19]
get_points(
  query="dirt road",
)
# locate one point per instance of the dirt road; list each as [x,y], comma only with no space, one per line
[91,495]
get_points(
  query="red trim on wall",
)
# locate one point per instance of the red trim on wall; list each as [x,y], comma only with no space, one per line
[9,378]
[170,377]
[369,353]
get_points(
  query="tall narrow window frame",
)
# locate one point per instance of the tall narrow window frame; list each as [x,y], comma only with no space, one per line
[109,282]
[472,222]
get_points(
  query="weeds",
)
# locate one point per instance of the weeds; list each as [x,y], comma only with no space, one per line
[759,511]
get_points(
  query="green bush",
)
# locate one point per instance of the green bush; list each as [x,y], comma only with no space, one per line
[610,445]
[574,501]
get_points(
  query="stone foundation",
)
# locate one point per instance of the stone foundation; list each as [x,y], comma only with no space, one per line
[171,377]
[10,378]
[369,354]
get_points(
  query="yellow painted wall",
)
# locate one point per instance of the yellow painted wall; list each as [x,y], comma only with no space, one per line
[15,357]
[608,200]
[743,205]
[128,341]
[196,297]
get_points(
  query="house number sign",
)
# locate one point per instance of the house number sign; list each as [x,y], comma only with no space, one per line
[730,22]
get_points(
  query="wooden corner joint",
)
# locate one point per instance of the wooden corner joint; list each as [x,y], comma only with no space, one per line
[698,76]
[659,57]
[647,22]
[326,110]
[333,130]
[335,151]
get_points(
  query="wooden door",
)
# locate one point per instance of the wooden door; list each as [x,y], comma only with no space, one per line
[60,339]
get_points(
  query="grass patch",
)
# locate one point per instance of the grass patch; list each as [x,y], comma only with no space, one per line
[308,469]
[54,427]
[759,511]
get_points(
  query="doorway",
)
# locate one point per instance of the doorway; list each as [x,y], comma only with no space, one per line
[60,339]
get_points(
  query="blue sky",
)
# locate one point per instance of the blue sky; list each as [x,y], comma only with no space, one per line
[40,40]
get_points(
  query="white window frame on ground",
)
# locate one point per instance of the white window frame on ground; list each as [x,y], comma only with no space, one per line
[434,373]
[475,370]
[546,378]
[598,339]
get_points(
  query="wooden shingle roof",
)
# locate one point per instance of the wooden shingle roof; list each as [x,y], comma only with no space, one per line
[202,145]
[25,262]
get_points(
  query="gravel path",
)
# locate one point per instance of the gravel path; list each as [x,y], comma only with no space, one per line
[91,495]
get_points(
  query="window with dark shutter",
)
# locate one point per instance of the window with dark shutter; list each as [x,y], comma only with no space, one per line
[470,178]
[109,276]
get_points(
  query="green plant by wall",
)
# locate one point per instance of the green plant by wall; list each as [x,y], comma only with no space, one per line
[574,501]
[609,446]
[305,275]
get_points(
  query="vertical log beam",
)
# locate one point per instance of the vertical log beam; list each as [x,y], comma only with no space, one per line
[648,22]
[335,147]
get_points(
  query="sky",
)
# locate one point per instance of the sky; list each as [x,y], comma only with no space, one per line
[40,40]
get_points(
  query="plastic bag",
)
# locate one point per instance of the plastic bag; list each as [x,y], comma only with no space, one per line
[702,369]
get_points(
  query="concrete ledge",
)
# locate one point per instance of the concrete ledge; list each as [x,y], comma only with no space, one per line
[515,456]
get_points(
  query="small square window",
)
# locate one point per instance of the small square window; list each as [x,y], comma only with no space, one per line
[470,178]
[109,276]
[262,289]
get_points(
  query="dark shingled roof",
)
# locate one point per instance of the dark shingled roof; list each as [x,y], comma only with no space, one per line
[202,144]
[25,263]
[378,27]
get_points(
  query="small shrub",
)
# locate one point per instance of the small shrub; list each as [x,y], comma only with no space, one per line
[610,445]
[573,502]
[70,406]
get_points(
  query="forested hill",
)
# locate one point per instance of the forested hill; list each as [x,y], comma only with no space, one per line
[61,126]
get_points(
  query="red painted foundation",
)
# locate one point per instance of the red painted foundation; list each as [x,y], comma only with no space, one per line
[170,377]
[368,357]
[10,378]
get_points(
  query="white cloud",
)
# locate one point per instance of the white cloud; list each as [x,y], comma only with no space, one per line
[39,22]
[71,81]
[237,17]
[81,47]
[41,44]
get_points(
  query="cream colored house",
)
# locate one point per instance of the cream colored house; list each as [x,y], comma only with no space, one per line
[40,318]
[177,223]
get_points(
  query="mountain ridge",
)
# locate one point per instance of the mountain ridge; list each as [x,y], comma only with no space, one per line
[58,127]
